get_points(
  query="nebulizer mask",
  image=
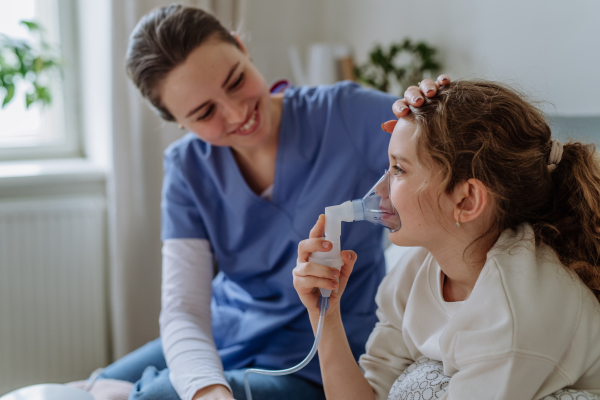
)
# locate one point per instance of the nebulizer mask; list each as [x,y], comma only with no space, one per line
[376,207]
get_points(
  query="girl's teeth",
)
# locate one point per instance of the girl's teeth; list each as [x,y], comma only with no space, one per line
[250,122]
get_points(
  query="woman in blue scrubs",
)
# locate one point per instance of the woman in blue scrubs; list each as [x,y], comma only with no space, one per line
[243,187]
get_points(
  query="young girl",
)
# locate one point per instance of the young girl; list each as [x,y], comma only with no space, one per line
[502,287]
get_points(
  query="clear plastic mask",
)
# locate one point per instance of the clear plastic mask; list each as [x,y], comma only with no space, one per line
[376,207]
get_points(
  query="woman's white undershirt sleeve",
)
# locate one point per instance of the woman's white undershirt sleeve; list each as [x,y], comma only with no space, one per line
[185,318]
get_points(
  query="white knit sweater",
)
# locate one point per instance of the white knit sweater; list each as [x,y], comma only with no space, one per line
[528,328]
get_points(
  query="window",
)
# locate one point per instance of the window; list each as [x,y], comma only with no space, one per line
[42,131]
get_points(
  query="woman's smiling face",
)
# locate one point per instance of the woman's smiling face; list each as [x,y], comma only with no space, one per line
[218,94]
[414,191]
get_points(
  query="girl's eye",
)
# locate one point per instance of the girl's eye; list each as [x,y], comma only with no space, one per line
[396,170]
[207,113]
[238,82]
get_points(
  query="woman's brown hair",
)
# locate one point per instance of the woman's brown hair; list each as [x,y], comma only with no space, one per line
[487,131]
[162,40]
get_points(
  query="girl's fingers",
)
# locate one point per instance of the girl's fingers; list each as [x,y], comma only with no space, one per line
[309,246]
[306,284]
[316,241]
[400,108]
[388,126]
[316,270]
[310,275]
[349,258]
[319,229]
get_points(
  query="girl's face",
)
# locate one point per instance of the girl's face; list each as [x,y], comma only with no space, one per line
[422,219]
[218,94]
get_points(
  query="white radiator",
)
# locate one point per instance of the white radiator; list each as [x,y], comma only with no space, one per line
[53,318]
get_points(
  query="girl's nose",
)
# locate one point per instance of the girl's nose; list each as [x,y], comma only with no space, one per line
[381,189]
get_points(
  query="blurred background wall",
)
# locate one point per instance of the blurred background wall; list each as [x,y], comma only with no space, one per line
[550,48]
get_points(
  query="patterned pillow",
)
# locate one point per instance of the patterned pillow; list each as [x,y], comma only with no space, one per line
[425,380]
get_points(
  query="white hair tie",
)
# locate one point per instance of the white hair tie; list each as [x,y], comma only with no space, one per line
[555,155]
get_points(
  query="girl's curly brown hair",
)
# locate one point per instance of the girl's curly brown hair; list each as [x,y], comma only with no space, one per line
[487,131]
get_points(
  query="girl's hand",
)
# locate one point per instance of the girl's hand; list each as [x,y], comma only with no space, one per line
[308,277]
[414,96]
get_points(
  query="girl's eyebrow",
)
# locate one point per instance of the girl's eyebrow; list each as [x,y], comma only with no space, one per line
[401,159]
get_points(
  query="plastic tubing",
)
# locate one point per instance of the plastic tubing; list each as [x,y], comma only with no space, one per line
[323,306]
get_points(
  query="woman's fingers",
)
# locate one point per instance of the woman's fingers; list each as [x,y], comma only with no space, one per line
[428,87]
[400,108]
[442,80]
[388,126]
[414,94]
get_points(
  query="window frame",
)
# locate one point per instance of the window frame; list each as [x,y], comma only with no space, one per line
[66,93]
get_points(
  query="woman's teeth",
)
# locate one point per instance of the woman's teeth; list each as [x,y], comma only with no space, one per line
[250,122]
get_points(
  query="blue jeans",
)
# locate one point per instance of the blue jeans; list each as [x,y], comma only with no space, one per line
[147,368]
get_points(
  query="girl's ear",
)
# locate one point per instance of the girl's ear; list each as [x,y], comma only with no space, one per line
[240,43]
[470,200]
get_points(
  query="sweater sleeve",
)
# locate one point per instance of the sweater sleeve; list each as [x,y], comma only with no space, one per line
[185,318]
[387,354]
[386,357]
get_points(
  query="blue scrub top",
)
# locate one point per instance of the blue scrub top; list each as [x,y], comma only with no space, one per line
[331,149]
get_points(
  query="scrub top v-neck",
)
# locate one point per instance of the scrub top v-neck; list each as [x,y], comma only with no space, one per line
[331,149]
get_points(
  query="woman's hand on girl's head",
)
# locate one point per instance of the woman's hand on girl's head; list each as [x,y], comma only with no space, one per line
[309,276]
[414,96]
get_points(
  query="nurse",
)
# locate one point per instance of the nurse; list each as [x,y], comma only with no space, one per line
[242,189]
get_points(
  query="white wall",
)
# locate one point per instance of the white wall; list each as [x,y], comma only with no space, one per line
[271,26]
[550,48]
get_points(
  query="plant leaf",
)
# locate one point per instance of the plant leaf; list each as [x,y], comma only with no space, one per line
[382,67]
[30,98]
[31,25]
[10,92]
[43,94]
[37,64]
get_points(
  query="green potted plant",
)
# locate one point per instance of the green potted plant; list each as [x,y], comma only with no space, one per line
[383,69]
[33,63]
